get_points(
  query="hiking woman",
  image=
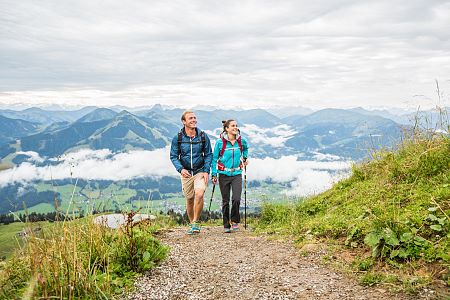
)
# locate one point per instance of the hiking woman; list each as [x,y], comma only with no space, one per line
[229,157]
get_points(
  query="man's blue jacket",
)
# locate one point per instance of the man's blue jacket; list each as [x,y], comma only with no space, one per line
[194,156]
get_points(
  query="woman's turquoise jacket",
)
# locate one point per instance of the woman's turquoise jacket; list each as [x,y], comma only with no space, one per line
[231,157]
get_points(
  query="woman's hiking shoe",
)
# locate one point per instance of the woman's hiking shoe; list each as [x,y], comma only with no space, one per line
[235,227]
[227,230]
[190,231]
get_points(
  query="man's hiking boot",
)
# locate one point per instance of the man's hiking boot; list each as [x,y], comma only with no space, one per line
[235,227]
[227,230]
[195,227]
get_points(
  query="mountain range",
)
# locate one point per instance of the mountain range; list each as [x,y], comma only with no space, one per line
[46,117]
[49,133]
[11,129]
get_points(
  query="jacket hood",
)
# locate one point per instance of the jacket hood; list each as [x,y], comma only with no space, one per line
[224,135]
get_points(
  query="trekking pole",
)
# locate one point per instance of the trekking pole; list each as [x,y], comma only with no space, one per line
[245,197]
[210,201]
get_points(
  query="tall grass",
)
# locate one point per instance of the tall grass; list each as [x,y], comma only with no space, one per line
[80,260]
[396,205]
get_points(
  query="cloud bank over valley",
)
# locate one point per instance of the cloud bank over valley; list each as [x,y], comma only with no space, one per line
[305,177]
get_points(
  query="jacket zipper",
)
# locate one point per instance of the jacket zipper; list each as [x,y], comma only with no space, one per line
[192,166]
[232,159]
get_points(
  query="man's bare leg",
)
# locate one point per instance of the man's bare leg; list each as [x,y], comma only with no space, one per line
[190,209]
[198,204]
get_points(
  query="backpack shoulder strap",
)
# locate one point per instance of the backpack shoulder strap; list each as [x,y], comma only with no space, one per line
[180,136]
[203,139]
[239,140]
[224,145]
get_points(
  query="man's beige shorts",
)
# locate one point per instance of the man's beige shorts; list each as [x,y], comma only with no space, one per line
[189,185]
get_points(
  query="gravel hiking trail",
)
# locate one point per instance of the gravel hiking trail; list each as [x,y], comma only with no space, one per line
[242,265]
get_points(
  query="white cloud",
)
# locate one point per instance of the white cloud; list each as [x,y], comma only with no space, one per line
[85,154]
[306,177]
[275,137]
[287,168]
[312,182]
[32,156]
[214,134]
[95,165]
[325,156]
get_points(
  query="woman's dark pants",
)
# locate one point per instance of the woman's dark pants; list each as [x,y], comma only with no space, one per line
[229,184]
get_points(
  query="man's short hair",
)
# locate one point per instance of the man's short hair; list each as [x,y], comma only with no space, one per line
[183,116]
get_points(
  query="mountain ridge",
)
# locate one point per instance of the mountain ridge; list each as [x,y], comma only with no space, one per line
[335,130]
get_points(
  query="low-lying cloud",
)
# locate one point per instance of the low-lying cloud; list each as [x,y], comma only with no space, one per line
[275,137]
[287,168]
[305,177]
[94,165]
[311,182]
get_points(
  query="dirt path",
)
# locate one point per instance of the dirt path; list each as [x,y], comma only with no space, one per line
[214,265]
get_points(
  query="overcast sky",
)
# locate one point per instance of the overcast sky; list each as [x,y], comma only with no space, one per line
[248,53]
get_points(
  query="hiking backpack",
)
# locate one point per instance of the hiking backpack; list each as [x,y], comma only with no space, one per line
[220,165]
[203,141]
[224,146]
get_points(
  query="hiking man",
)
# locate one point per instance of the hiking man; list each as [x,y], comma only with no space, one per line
[191,156]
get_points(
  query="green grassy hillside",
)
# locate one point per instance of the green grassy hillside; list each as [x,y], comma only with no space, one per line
[8,240]
[392,213]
